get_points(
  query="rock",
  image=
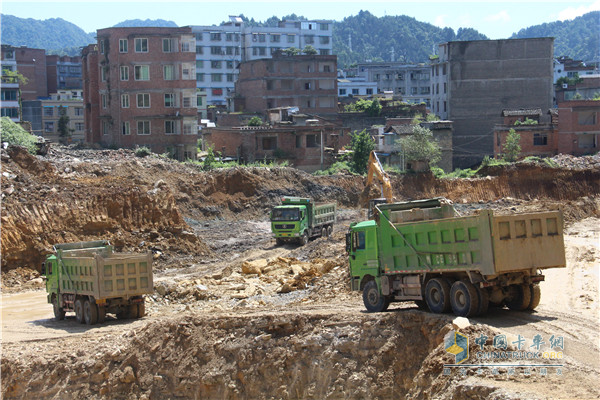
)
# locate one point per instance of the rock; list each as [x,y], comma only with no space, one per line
[460,323]
[128,375]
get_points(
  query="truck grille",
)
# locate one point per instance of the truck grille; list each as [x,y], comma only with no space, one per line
[284,226]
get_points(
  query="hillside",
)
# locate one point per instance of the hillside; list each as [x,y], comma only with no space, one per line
[578,39]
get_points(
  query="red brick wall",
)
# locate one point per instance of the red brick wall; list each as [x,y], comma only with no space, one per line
[571,131]
[528,148]
[31,63]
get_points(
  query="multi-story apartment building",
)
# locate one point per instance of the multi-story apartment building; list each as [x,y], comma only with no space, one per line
[140,90]
[31,63]
[565,67]
[53,109]
[10,87]
[220,49]
[308,82]
[63,73]
[473,81]
[410,81]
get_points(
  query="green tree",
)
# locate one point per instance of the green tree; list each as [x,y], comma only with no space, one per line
[512,148]
[292,51]
[309,50]
[255,121]
[64,133]
[421,146]
[362,144]
[210,159]
[374,109]
[15,135]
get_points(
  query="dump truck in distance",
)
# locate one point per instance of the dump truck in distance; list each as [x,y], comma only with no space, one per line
[423,251]
[90,279]
[298,219]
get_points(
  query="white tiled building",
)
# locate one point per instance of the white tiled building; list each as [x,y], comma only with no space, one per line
[219,49]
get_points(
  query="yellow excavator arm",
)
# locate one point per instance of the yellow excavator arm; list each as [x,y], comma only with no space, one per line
[375,168]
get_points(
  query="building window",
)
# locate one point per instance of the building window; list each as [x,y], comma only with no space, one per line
[291,38]
[587,141]
[78,111]
[324,39]
[187,71]
[309,39]
[312,141]
[229,50]
[189,128]
[198,101]
[540,139]
[586,118]
[229,37]
[142,72]
[9,95]
[141,45]
[269,143]
[103,74]
[369,91]
[199,64]
[124,73]
[48,111]
[445,87]
[200,77]
[425,90]
[342,92]
[324,27]
[168,72]
[354,91]
[215,64]
[188,101]
[170,127]
[262,37]
[215,36]
[199,36]
[168,45]
[103,99]
[49,126]
[169,100]
[275,38]
[215,50]
[125,128]
[123,45]
[413,90]
[79,126]
[199,50]
[229,77]
[262,51]
[143,100]
[216,77]
[445,107]
[307,86]
[187,46]
[124,101]
[326,68]
[143,127]
[101,46]
[323,52]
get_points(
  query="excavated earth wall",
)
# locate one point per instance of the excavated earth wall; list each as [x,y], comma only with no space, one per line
[313,355]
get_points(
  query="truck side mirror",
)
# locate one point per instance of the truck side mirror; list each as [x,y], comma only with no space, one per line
[348,242]
[43,268]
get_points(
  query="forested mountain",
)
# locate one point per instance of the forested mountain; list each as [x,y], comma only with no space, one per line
[366,37]
[355,39]
[578,39]
[49,34]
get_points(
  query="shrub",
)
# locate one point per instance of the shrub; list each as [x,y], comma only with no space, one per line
[15,135]
[255,121]
[142,151]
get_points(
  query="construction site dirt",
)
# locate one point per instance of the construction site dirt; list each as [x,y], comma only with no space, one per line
[235,316]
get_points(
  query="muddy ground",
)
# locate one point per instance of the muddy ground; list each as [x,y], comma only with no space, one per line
[234,316]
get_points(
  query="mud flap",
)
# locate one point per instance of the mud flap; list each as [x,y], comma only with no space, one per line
[385,285]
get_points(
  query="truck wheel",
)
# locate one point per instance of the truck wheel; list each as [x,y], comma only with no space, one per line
[324,232]
[90,312]
[374,301]
[79,311]
[463,298]
[123,313]
[133,311]
[329,230]
[304,239]
[141,309]
[437,295]
[484,300]
[519,297]
[59,313]
[101,314]
[536,295]
[279,241]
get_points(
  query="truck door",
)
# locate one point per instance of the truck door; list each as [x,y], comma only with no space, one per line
[50,268]
[363,254]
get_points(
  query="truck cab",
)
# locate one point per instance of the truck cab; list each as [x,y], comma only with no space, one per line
[361,245]
[289,222]
[50,270]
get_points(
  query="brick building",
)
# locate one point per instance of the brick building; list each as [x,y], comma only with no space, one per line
[63,73]
[308,144]
[140,90]
[308,82]
[31,63]
[574,129]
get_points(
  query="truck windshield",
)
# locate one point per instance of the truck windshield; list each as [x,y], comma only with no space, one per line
[285,214]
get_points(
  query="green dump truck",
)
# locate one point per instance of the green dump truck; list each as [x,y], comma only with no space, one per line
[423,251]
[90,279]
[298,219]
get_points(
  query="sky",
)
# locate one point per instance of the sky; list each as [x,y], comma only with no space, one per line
[496,20]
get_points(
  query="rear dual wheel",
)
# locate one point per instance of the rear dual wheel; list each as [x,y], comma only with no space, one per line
[59,313]
[519,297]
[90,312]
[464,299]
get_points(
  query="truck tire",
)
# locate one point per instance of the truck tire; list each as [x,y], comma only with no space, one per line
[304,239]
[79,311]
[324,232]
[90,312]
[519,297]
[141,310]
[329,230]
[484,300]
[464,298]
[536,295]
[374,301]
[437,295]
[279,241]
[59,313]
